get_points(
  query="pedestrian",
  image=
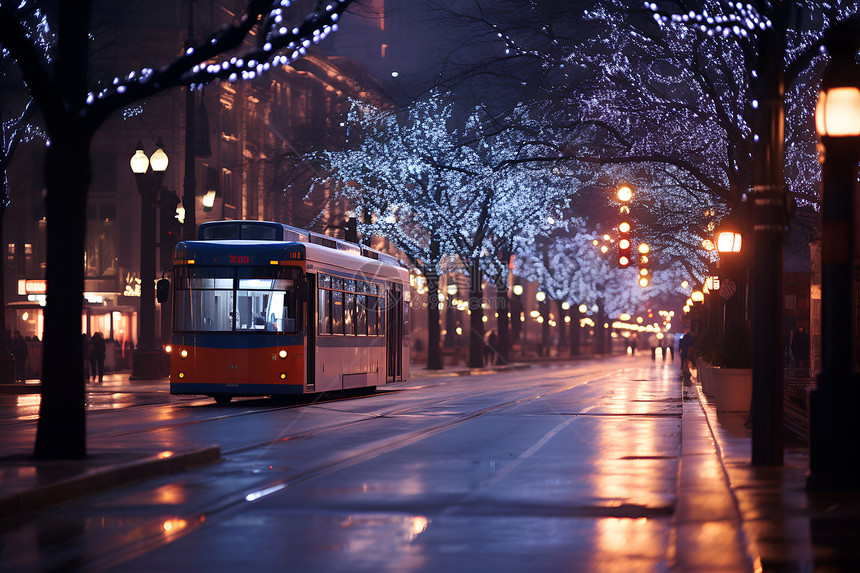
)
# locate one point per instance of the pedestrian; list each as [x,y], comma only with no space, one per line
[669,344]
[685,347]
[20,352]
[85,346]
[800,348]
[653,342]
[490,348]
[97,356]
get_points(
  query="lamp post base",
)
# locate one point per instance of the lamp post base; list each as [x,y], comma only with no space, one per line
[7,370]
[834,434]
[147,365]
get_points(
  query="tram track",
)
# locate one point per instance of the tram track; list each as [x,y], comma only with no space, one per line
[318,403]
[191,522]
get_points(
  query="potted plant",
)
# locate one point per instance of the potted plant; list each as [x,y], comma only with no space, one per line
[733,378]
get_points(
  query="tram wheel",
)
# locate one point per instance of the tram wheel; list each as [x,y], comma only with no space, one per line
[222,399]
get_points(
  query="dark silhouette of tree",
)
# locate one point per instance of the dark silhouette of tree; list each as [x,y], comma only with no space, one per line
[73,111]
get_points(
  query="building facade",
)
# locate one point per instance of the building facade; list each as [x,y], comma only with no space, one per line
[250,139]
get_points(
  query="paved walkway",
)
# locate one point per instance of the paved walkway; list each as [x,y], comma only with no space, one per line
[751,519]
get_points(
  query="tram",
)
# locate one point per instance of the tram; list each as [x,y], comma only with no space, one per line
[264,309]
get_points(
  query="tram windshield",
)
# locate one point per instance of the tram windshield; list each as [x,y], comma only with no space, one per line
[228,299]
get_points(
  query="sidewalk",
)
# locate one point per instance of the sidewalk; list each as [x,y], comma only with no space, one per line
[753,519]
[29,484]
[779,525]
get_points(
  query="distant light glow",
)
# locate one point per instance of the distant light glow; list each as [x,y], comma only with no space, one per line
[255,495]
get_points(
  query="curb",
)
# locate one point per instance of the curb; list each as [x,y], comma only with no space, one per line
[99,479]
[468,371]
[21,388]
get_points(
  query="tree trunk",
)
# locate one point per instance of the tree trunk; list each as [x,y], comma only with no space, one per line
[434,330]
[562,328]
[575,333]
[476,322]
[599,330]
[503,323]
[7,361]
[545,338]
[61,432]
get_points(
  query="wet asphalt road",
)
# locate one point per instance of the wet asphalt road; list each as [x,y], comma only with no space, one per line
[569,466]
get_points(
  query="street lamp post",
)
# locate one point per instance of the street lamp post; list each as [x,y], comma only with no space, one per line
[147,358]
[834,429]
[729,240]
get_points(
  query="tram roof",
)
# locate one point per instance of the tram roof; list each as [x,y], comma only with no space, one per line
[271,231]
[240,252]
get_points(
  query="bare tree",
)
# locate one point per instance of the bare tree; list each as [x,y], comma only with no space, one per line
[73,111]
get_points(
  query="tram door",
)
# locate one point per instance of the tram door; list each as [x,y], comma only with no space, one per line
[394,333]
[311,332]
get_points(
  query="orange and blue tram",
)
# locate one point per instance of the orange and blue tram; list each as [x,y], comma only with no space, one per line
[265,309]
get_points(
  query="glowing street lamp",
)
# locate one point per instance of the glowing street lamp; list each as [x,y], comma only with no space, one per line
[147,358]
[697,297]
[833,425]
[729,242]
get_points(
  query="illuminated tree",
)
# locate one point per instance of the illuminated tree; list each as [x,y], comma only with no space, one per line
[18,128]
[73,110]
[572,269]
[667,98]
[445,190]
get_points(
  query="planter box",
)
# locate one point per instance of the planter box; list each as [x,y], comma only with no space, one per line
[733,389]
[708,386]
[705,376]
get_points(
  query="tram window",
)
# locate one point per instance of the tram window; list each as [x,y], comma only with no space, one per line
[336,312]
[371,315]
[349,313]
[258,232]
[266,299]
[361,314]
[324,312]
[203,299]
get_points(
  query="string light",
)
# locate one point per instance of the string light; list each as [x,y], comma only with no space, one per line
[315,28]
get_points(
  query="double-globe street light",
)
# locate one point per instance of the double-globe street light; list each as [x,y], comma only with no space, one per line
[147,358]
[834,428]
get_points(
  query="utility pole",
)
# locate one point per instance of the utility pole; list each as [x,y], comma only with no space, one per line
[189,194]
[769,224]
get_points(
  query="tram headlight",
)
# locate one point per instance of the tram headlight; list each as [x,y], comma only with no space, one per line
[183,353]
[182,374]
[283,375]
[282,353]
[168,348]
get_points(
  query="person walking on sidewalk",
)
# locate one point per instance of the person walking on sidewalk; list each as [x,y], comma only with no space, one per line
[20,351]
[653,343]
[97,356]
[669,346]
[686,349]
[800,348]
[490,348]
